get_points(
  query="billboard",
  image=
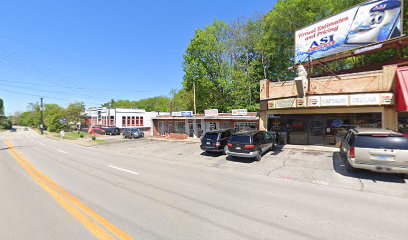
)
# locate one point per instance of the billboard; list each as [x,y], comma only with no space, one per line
[370,22]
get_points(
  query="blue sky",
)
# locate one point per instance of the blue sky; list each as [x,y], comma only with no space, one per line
[77,50]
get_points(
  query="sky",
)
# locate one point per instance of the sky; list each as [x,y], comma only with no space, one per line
[97,50]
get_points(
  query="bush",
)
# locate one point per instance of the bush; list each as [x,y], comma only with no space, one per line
[5,124]
[93,138]
[81,135]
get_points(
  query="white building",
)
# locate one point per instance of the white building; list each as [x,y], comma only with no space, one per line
[120,117]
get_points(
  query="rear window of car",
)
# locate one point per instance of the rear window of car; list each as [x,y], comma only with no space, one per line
[240,139]
[211,136]
[383,142]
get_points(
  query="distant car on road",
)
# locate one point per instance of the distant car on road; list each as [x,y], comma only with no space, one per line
[111,131]
[250,144]
[25,129]
[13,130]
[377,150]
[216,141]
[132,133]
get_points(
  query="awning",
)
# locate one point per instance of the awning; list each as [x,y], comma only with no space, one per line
[402,89]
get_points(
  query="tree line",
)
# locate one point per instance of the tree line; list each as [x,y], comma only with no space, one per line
[53,113]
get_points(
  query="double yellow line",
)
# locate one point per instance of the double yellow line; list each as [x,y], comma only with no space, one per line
[93,222]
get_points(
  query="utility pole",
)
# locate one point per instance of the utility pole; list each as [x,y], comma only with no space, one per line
[194,90]
[42,116]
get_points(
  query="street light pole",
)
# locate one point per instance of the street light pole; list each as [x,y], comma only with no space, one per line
[41,116]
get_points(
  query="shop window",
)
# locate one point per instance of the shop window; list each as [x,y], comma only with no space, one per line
[123,121]
[169,127]
[138,121]
[133,121]
[179,127]
[226,125]
[112,120]
[141,121]
[403,123]
[128,121]
[242,126]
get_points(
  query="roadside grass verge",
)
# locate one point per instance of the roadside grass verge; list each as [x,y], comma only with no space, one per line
[73,135]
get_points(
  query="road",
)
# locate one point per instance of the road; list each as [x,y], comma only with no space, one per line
[55,190]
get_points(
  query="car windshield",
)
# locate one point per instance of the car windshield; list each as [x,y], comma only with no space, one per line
[211,136]
[240,139]
[381,141]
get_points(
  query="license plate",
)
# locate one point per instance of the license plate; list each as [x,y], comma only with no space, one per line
[383,158]
[208,143]
[238,148]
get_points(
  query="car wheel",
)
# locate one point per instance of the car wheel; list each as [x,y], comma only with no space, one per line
[349,168]
[273,147]
[224,151]
[258,156]
[142,135]
[124,136]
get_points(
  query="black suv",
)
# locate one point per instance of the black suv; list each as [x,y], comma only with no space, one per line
[112,131]
[250,144]
[216,141]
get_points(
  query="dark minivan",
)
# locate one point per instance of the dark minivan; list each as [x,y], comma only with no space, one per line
[216,141]
[250,144]
[112,131]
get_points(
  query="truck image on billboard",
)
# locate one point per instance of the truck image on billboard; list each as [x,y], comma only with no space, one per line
[368,23]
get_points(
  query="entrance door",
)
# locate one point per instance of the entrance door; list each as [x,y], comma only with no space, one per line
[317,127]
[297,133]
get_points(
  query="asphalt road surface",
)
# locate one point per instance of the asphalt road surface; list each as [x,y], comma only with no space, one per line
[55,190]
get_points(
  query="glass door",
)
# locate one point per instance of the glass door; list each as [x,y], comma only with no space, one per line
[316,130]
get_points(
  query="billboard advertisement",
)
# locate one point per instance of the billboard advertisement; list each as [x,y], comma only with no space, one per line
[371,22]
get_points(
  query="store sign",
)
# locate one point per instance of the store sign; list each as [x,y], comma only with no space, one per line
[187,113]
[286,103]
[271,104]
[176,114]
[365,99]
[211,113]
[368,23]
[239,112]
[313,102]
[301,102]
[334,101]
[337,100]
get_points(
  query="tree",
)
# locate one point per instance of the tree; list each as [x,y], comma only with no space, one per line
[74,111]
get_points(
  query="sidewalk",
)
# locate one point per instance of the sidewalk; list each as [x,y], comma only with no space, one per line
[308,148]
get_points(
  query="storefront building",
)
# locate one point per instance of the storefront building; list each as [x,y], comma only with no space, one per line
[333,105]
[181,125]
[120,117]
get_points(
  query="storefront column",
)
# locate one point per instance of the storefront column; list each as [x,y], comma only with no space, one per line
[390,119]
[186,127]
[195,129]
[263,120]
[203,126]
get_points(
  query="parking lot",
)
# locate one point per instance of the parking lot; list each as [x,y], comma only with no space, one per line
[315,167]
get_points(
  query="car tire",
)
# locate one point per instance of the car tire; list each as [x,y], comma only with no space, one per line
[273,147]
[259,156]
[224,151]
[349,168]
[142,135]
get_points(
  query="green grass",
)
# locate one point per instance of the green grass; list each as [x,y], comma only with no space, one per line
[99,141]
[73,135]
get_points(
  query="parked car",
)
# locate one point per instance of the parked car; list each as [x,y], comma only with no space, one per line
[25,129]
[112,131]
[378,150]
[132,133]
[216,141]
[250,144]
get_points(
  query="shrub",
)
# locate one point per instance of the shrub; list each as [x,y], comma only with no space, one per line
[81,135]
[93,138]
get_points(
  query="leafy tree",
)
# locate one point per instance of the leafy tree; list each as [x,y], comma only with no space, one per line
[74,111]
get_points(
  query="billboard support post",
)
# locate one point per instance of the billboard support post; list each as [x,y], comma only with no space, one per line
[308,73]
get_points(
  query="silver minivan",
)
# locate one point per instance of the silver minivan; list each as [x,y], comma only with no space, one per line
[378,150]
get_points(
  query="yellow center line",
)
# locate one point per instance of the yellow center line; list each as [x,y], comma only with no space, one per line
[68,202]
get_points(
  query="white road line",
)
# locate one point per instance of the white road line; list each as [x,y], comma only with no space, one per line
[61,151]
[122,169]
